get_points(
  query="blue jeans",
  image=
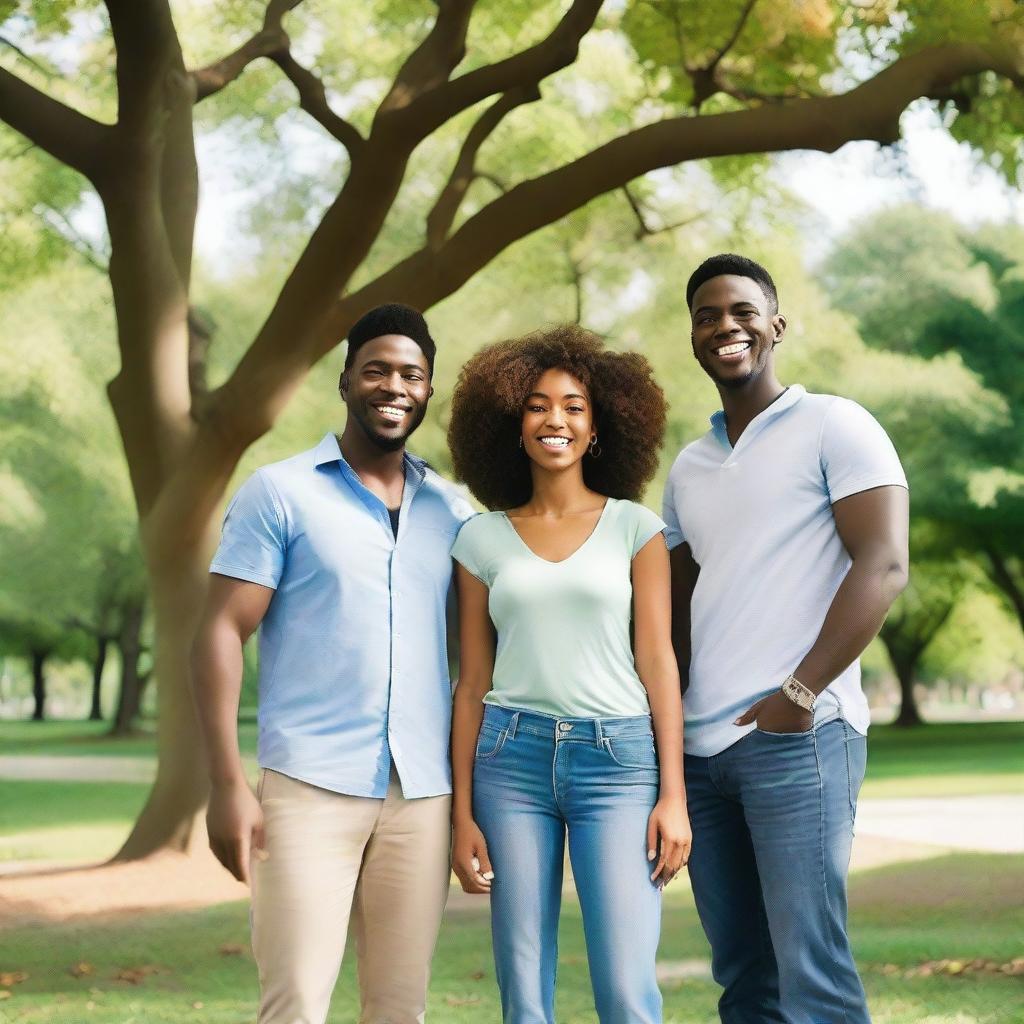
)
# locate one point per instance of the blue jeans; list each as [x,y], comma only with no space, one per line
[536,777]
[772,820]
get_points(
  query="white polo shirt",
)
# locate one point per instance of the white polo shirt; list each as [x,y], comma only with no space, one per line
[758,519]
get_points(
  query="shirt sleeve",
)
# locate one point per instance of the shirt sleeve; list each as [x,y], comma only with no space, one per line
[674,535]
[469,550]
[856,453]
[645,524]
[253,542]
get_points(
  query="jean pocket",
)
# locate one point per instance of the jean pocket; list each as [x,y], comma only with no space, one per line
[490,742]
[632,751]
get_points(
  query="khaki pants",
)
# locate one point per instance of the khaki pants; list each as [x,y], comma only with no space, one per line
[384,862]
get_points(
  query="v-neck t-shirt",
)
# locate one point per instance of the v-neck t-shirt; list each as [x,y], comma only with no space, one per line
[563,644]
[758,519]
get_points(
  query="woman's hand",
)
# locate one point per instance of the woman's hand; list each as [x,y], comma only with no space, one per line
[668,834]
[470,862]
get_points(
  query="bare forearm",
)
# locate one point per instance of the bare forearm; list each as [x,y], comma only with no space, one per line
[853,620]
[217,684]
[662,684]
[467,714]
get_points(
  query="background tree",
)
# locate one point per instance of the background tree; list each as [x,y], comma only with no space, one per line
[440,82]
[920,284]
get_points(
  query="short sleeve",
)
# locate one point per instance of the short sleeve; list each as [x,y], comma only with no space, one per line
[856,453]
[674,535]
[644,524]
[470,549]
[253,542]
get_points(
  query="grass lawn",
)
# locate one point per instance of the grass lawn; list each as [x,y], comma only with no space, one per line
[945,760]
[196,966]
[66,820]
[91,739]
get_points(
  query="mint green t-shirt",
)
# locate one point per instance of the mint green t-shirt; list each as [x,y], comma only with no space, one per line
[563,627]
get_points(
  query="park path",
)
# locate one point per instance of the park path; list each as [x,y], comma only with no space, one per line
[993,824]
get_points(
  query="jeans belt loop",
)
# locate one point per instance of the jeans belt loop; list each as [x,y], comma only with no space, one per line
[598,733]
[511,731]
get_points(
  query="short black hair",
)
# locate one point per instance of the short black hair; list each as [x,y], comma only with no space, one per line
[391,318]
[738,266]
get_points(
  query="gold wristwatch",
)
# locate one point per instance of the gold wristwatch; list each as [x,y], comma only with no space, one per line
[799,694]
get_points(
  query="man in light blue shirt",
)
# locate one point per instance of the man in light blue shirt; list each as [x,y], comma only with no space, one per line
[341,556]
[787,524]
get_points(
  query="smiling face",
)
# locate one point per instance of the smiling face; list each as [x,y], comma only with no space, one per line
[734,332]
[386,389]
[558,422]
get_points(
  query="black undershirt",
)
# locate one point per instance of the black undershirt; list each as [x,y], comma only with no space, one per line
[393,516]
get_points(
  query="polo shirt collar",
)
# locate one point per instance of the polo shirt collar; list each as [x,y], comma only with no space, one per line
[785,401]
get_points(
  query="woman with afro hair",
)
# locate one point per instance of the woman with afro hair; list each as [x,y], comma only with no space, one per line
[559,728]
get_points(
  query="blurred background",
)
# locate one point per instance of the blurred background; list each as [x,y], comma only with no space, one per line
[900,267]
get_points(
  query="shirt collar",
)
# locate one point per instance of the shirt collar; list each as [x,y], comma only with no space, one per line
[328,451]
[785,401]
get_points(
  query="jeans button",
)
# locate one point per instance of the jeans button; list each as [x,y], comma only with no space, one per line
[564,726]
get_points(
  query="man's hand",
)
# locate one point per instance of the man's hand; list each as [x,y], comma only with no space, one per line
[234,821]
[777,713]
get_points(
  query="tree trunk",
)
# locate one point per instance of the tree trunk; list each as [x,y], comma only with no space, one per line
[172,817]
[39,685]
[96,711]
[909,715]
[129,643]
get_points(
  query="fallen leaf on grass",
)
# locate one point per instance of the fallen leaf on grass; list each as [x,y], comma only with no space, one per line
[232,949]
[81,970]
[5,993]
[956,968]
[10,978]
[136,975]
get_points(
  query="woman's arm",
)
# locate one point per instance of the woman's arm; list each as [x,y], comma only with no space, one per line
[668,830]
[476,661]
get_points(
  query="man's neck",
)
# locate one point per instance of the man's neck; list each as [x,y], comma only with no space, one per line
[741,405]
[369,460]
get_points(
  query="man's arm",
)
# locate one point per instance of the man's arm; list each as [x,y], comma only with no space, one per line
[684,578]
[874,527]
[234,609]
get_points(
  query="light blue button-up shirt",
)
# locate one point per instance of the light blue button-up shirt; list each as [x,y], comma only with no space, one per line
[353,657]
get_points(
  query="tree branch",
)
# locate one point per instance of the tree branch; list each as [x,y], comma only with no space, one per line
[445,210]
[643,229]
[705,79]
[210,79]
[270,39]
[556,51]
[313,100]
[64,133]
[869,111]
[433,61]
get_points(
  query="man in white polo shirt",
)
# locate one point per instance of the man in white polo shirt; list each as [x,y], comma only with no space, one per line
[788,524]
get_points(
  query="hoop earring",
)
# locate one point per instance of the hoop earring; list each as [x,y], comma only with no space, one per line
[595,448]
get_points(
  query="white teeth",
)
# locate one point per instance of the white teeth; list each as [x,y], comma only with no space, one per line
[391,412]
[731,350]
[555,442]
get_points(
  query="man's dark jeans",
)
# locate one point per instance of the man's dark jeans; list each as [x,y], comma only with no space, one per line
[772,819]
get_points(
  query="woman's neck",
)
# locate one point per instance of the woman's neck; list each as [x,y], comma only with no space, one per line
[559,494]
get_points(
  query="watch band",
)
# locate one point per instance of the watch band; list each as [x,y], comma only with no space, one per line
[799,694]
